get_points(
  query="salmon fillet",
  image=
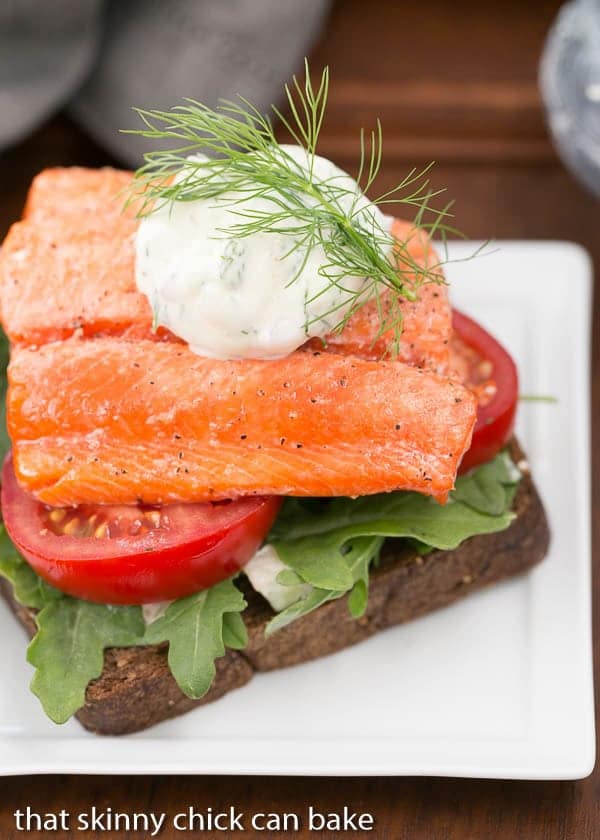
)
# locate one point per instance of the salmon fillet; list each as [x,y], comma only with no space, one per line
[69,266]
[57,279]
[100,411]
[78,191]
[114,421]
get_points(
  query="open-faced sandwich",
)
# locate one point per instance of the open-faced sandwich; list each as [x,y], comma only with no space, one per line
[237,409]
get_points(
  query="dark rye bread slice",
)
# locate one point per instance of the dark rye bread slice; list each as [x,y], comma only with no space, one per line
[136,689]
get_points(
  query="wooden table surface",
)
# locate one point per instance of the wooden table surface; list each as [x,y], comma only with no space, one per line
[454,82]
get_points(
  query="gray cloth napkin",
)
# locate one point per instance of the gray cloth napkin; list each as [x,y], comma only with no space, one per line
[102,58]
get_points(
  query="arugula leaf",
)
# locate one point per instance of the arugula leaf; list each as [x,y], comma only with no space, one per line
[195,629]
[326,569]
[469,511]
[289,578]
[235,634]
[306,604]
[357,557]
[349,532]
[362,553]
[68,649]
[28,588]
[485,489]
[402,515]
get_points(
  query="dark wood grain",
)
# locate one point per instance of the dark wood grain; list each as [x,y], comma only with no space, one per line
[455,82]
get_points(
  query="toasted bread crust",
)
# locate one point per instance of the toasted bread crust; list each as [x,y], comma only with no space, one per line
[136,689]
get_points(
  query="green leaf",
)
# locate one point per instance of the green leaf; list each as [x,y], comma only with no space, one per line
[409,515]
[406,515]
[314,537]
[419,547]
[235,634]
[194,629]
[482,493]
[357,557]
[484,489]
[28,588]
[309,602]
[289,578]
[358,599]
[7,548]
[303,518]
[68,649]
[323,567]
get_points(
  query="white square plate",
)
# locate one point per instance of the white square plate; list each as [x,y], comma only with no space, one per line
[498,685]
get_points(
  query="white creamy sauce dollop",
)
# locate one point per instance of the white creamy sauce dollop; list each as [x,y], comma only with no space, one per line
[253,297]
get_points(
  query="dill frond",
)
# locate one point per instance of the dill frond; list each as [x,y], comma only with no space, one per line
[244,161]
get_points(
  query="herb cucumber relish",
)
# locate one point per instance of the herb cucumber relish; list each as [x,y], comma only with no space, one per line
[259,296]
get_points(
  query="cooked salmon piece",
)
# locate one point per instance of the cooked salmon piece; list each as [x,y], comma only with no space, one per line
[58,278]
[426,322]
[113,421]
[69,267]
[87,194]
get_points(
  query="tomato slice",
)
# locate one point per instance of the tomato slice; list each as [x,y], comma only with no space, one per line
[121,554]
[487,369]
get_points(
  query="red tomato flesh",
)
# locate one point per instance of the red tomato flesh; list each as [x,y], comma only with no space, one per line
[129,554]
[490,372]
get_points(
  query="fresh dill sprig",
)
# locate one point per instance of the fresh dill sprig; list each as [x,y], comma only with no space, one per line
[245,162]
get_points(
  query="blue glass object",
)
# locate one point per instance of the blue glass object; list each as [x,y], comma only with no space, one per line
[570,85]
